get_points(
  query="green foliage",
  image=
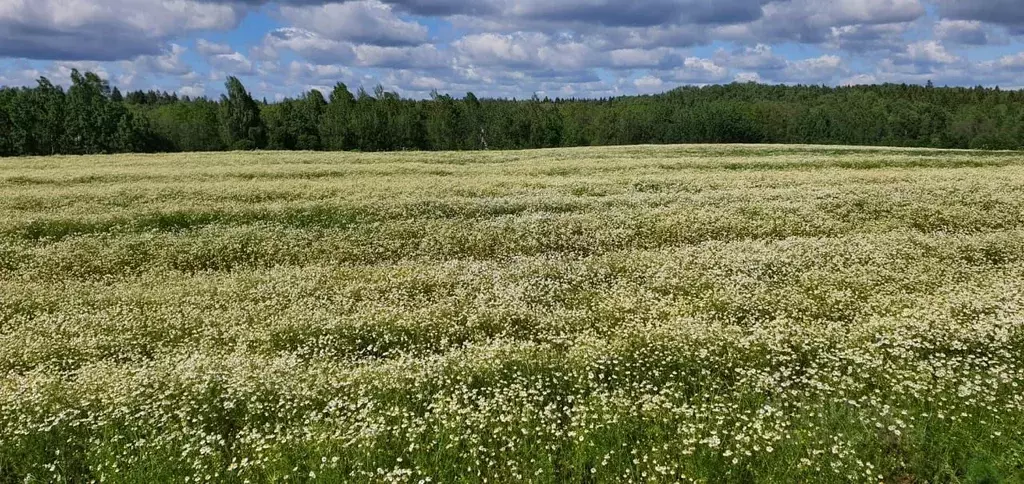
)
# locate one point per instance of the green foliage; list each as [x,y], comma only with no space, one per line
[336,123]
[38,119]
[185,126]
[310,113]
[89,119]
[443,123]
[86,124]
[294,124]
[240,117]
[6,131]
[473,124]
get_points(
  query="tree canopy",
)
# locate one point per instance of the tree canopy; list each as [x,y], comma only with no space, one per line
[94,117]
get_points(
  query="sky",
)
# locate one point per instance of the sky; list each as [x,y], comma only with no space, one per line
[510,48]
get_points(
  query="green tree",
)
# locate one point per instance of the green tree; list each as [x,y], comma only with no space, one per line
[40,115]
[6,131]
[364,123]
[443,123]
[545,124]
[309,113]
[185,126]
[93,117]
[335,123]
[243,127]
[281,128]
[473,123]
[85,123]
[95,123]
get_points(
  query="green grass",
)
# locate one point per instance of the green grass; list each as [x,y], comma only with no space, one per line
[680,313]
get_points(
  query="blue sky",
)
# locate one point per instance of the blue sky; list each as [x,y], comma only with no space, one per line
[510,48]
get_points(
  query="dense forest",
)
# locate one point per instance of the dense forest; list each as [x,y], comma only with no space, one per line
[92,117]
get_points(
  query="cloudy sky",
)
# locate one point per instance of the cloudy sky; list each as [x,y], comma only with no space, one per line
[506,48]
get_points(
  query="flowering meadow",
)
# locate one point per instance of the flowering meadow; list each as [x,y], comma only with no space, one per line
[642,314]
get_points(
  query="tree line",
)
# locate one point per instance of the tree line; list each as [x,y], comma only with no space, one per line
[92,117]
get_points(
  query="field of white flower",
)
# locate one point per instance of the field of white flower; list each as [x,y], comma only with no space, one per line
[643,314]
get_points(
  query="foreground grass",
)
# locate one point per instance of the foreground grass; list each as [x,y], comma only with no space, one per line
[710,314]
